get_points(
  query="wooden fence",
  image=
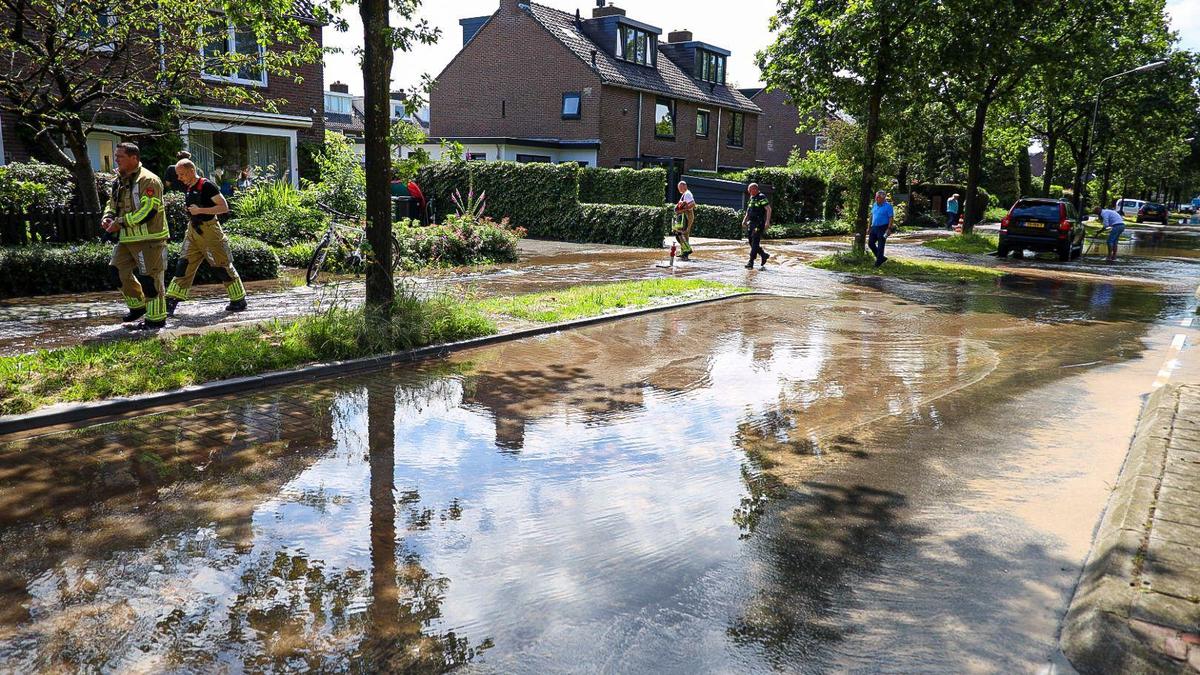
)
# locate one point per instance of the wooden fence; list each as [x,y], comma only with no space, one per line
[58,226]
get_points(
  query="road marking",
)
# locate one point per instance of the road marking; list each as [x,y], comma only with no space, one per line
[1171,363]
[1187,323]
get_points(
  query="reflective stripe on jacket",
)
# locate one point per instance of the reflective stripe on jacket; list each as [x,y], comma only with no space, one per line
[138,200]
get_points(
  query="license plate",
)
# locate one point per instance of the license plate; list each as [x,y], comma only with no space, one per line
[1034,225]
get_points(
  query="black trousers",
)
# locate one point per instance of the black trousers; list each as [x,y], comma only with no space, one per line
[754,234]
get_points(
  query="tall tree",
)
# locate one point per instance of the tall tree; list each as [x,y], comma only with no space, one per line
[848,56]
[71,66]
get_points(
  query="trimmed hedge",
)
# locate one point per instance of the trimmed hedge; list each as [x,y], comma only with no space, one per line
[817,228]
[44,270]
[795,197]
[642,187]
[717,222]
[35,186]
[542,198]
[617,224]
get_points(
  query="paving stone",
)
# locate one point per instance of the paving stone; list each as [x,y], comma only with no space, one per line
[1169,570]
[1165,610]
[1180,482]
[1190,470]
[1178,513]
[1186,535]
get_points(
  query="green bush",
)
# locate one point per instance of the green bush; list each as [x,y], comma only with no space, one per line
[343,185]
[1057,191]
[34,186]
[796,197]
[283,226]
[45,270]
[295,255]
[816,228]
[537,197]
[617,224]
[175,205]
[644,187]
[717,222]
[461,241]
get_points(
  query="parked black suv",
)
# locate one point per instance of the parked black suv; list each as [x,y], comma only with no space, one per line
[1042,225]
[1153,212]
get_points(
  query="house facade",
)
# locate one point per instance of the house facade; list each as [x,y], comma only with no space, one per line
[224,138]
[537,84]
[777,128]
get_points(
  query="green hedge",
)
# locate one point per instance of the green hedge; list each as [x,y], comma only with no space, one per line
[643,187]
[538,197]
[45,270]
[717,222]
[816,228]
[35,186]
[617,224]
[795,197]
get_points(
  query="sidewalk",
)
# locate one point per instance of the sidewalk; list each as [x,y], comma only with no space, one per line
[1137,607]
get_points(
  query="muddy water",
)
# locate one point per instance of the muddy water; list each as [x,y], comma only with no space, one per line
[766,484]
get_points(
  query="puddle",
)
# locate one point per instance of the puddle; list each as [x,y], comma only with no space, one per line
[621,497]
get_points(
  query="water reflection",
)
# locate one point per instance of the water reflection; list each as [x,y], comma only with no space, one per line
[608,499]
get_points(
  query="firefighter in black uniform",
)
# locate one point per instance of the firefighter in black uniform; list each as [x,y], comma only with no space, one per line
[756,222]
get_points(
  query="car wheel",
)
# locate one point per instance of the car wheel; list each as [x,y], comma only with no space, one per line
[1002,252]
[1018,253]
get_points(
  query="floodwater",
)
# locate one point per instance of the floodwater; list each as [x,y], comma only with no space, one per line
[769,484]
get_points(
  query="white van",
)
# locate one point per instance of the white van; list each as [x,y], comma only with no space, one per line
[1129,207]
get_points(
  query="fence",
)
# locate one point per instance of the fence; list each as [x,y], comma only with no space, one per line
[57,226]
[717,192]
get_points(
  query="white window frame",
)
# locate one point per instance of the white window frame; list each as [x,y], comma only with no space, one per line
[290,134]
[341,97]
[235,79]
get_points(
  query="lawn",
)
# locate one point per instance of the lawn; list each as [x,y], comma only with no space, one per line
[965,243]
[917,270]
[110,369]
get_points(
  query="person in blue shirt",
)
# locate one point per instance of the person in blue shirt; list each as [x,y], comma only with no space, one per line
[952,212]
[882,215]
[1110,219]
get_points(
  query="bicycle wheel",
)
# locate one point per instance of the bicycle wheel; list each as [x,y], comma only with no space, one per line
[318,259]
[396,267]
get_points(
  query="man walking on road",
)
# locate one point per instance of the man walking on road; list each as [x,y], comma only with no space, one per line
[135,214]
[756,222]
[685,216]
[1111,219]
[205,241]
[882,214]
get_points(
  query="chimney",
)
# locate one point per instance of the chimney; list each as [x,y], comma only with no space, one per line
[683,35]
[602,11]
[340,87]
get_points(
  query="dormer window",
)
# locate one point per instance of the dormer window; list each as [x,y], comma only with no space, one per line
[635,45]
[710,66]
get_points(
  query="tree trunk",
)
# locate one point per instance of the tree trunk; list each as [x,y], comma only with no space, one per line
[1048,165]
[1104,186]
[77,161]
[867,186]
[1024,173]
[902,178]
[973,208]
[384,630]
[377,80]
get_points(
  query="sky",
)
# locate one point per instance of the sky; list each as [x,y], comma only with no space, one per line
[740,27]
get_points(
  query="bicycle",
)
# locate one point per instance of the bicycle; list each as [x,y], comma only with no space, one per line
[340,234]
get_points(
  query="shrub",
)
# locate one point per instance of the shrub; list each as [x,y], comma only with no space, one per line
[537,197]
[295,255]
[44,270]
[284,226]
[264,197]
[461,241]
[612,224]
[816,228]
[796,196]
[717,222]
[175,205]
[1057,191]
[644,187]
[343,185]
[34,186]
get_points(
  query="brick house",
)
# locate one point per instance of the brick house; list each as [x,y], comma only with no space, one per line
[224,138]
[534,83]
[777,135]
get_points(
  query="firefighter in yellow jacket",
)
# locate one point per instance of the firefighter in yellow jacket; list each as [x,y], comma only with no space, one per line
[135,215]
[205,241]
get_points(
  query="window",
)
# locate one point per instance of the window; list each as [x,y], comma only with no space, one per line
[476,156]
[533,159]
[820,143]
[636,45]
[664,119]
[398,111]
[570,105]
[92,36]
[710,66]
[227,43]
[702,123]
[337,105]
[737,129]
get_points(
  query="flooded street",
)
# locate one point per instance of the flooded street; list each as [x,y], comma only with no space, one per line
[863,475]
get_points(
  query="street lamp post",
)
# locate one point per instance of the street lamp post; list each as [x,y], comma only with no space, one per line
[1096,109]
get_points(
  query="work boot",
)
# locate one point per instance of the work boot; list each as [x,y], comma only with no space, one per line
[236,306]
[172,303]
[147,324]
[134,315]
[750,265]
[685,256]
[765,258]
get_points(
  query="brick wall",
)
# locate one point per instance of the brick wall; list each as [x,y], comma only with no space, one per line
[777,133]
[618,132]
[509,81]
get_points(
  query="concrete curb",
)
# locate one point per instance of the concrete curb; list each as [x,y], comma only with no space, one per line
[71,413]
[1096,634]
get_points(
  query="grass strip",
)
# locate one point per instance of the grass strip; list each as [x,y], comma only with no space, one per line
[577,302]
[103,370]
[901,268]
[965,243]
